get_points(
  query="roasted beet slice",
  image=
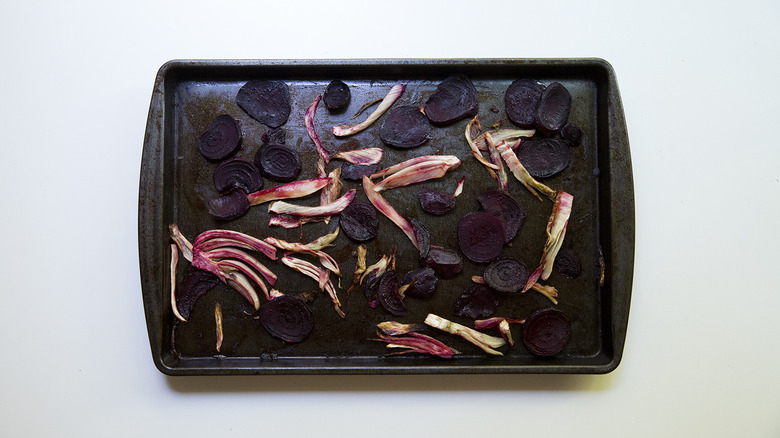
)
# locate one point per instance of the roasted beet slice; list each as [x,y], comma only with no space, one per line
[422,235]
[355,172]
[568,263]
[571,134]
[195,285]
[237,173]
[455,98]
[388,296]
[506,275]
[544,157]
[221,139]
[278,162]
[480,236]
[229,206]
[521,98]
[553,110]
[478,301]
[546,332]
[502,205]
[359,221]
[423,282]
[267,101]
[288,318]
[435,201]
[371,285]
[336,95]
[274,135]
[405,127]
[446,263]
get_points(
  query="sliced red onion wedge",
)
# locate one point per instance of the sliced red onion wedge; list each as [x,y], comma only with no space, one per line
[556,231]
[417,343]
[495,158]
[332,191]
[325,259]
[508,135]
[430,160]
[230,265]
[393,95]
[412,175]
[472,130]
[362,157]
[317,274]
[174,263]
[295,189]
[253,242]
[184,245]
[383,206]
[335,207]
[459,187]
[308,120]
[486,342]
[237,254]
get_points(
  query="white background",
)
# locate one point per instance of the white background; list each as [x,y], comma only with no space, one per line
[699,85]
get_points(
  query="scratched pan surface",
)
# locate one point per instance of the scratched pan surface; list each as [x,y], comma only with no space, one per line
[176,182]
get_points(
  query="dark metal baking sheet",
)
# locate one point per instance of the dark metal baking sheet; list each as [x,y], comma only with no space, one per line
[176,181]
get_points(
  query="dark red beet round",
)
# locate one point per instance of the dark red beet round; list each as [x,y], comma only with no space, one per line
[445,262]
[388,296]
[274,136]
[266,101]
[506,275]
[355,172]
[546,332]
[568,263]
[435,201]
[521,98]
[221,139]
[278,162]
[229,206]
[544,157]
[288,318]
[478,301]
[571,134]
[455,98]
[423,237]
[502,205]
[237,173]
[359,221]
[195,285]
[423,282]
[371,285]
[336,96]
[553,110]
[480,236]
[405,127]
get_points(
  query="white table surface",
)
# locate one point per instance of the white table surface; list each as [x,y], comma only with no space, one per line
[699,87]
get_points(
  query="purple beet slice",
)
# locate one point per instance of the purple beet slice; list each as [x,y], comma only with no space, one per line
[553,110]
[288,318]
[521,99]
[195,285]
[355,172]
[405,127]
[546,332]
[266,101]
[422,235]
[237,173]
[229,206]
[423,282]
[568,263]
[359,221]
[480,236]
[435,201]
[455,98]
[446,263]
[278,162]
[478,301]
[506,275]
[544,157]
[388,296]
[336,96]
[502,205]
[571,134]
[221,139]
[274,135]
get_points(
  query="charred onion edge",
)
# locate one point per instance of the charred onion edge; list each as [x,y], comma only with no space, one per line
[295,189]
[335,207]
[308,120]
[393,95]
[383,206]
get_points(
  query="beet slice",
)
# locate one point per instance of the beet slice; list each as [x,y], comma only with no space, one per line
[195,285]
[546,332]
[266,101]
[446,263]
[355,172]
[274,135]
[336,96]
[502,205]
[371,285]
[221,139]
[478,301]
[568,263]
[480,236]
[388,296]
[237,173]
[359,221]
[521,99]
[506,275]
[422,235]
[423,282]
[229,206]
[278,162]
[553,110]
[544,157]
[288,318]
[571,134]
[405,127]
[435,201]
[455,98]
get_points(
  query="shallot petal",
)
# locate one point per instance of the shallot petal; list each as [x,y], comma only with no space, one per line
[393,95]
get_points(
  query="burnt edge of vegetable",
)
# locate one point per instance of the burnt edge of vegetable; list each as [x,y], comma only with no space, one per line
[267,101]
[221,139]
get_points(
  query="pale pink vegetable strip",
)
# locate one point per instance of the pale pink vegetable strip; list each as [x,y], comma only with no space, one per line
[495,158]
[174,262]
[522,174]
[459,187]
[556,231]
[229,265]
[241,284]
[291,222]
[395,328]
[382,205]
[326,260]
[308,119]
[237,254]
[254,242]
[314,272]
[486,342]
[481,324]
[295,189]
[412,176]
[221,242]
[450,160]
[332,191]
[184,245]
[418,343]
[362,157]
[472,128]
[335,207]
[503,135]
[393,95]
